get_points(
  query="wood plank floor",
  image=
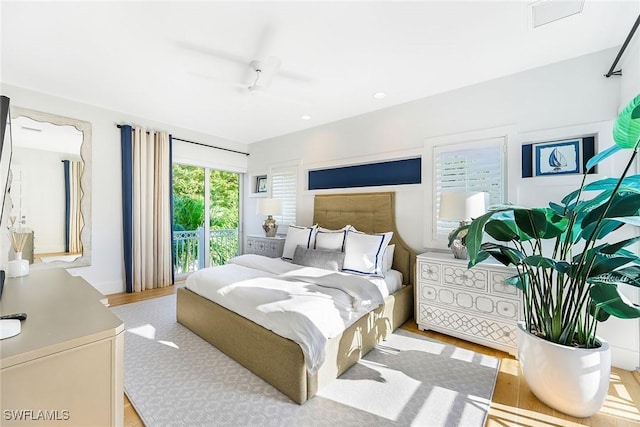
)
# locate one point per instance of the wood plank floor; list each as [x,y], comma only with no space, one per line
[513,403]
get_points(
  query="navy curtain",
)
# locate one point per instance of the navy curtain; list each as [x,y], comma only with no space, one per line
[67,203]
[127,204]
[126,137]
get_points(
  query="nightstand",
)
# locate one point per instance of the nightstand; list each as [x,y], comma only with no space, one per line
[268,246]
[473,304]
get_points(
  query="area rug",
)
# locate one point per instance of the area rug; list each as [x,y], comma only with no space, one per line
[175,378]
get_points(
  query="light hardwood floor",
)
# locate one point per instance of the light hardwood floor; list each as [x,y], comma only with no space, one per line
[513,403]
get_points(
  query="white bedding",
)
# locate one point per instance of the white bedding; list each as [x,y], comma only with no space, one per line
[305,304]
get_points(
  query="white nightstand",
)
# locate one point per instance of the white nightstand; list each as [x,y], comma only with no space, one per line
[472,304]
[267,246]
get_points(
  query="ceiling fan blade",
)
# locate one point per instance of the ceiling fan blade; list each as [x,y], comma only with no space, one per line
[217,80]
[269,70]
[205,50]
[301,78]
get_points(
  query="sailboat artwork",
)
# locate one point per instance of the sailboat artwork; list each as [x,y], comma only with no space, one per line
[557,157]
[557,161]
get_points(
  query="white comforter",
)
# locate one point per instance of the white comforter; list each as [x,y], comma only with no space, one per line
[305,304]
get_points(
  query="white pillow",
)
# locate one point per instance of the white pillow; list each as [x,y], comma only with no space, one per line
[296,235]
[387,258]
[345,228]
[331,240]
[364,252]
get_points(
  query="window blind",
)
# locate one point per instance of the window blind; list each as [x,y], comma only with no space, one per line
[469,166]
[284,186]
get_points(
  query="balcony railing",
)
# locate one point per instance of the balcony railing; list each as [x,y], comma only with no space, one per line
[189,249]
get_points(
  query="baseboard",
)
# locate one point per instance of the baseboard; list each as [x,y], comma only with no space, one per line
[624,358]
[108,288]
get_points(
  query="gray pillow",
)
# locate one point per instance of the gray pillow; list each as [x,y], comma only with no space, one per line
[319,258]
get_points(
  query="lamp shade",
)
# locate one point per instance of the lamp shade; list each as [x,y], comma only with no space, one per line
[462,205]
[269,206]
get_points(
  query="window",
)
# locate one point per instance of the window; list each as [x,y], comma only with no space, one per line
[469,166]
[284,186]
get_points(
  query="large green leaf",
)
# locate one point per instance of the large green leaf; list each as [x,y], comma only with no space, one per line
[615,247]
[595,311]
[504,254]
[606,263]
[605,228]
[601,156]
[626,129]
[623,204]
[607,298]
[531,221]
[544,262]
[627,276]
[473,239]
[503,230]
[519,281]
[632,181]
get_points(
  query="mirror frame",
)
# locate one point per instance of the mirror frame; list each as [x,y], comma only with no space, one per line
[85,181]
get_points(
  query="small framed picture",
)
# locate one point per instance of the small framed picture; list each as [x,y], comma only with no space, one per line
[560,157]
[261,184]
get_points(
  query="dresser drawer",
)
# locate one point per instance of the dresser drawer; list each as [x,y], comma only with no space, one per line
[471,302]
[498,285]
[268,246]
[430,272]
[459,276]
[474,328]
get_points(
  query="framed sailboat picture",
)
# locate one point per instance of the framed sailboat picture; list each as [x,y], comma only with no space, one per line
[557,157]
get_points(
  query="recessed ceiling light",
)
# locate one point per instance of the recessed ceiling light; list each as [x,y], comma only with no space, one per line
[379,95]
[306,117]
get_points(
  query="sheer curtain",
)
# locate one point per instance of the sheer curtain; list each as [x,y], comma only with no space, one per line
[146,206]
[73,195]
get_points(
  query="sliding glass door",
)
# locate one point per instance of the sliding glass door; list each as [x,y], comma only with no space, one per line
[206,216]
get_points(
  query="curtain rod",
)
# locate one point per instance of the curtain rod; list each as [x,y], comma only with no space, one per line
[200,143]
[624,46]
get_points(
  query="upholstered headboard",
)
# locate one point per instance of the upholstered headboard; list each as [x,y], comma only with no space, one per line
[370,213]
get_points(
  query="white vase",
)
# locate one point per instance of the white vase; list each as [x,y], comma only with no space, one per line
[18,267]
[571,380]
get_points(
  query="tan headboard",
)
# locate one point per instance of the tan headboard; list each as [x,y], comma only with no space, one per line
[370,213]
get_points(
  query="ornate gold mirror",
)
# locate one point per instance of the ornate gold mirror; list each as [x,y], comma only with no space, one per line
[51,187]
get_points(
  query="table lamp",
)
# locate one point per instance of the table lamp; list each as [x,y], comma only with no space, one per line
[461,206]
[270,207]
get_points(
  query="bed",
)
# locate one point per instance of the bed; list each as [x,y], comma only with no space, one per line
[280,361]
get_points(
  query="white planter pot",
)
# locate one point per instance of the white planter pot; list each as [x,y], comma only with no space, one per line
[571,380]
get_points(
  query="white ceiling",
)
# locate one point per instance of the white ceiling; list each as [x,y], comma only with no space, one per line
[187,63]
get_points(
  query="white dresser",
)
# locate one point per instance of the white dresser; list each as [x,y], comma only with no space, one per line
[267,246]
[472,304]
[66,365]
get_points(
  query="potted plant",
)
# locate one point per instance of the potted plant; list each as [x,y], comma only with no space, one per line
[569,266]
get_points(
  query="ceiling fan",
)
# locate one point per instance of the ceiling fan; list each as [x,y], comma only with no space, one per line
[260,73]
[264,74]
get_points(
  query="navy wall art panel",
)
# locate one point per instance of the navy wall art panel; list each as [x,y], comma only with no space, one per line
[395,172]
[569,156]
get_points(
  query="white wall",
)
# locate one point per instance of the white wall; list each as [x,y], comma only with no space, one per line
[42,175]
[629,89]
[567,98]
[106,269]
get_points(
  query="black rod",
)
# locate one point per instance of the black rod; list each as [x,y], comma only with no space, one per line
[200,143]
[624,46]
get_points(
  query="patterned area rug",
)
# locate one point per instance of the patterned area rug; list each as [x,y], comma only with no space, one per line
[174,378]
